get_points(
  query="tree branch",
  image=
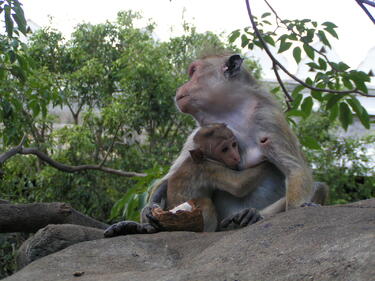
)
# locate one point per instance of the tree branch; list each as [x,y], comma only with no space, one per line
[276,62]
[62,167]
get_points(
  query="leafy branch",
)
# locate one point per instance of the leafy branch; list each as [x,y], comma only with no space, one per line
[276,62]
[335,86]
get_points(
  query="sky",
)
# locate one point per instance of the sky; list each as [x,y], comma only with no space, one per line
[355,29]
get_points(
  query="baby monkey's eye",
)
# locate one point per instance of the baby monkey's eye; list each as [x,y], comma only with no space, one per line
[225,149]
[234,144]
[192,70]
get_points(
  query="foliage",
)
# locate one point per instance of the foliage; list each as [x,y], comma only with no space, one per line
[117,84]
[334,85]
[345,164]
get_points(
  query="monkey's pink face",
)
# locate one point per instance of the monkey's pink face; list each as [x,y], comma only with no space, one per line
[228,153]
[202,91]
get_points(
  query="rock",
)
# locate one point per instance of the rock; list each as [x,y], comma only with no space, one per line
[311,243]
[53,238]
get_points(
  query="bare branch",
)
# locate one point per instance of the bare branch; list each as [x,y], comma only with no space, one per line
[288,99]
[111,146]
[275,61]
[62,167]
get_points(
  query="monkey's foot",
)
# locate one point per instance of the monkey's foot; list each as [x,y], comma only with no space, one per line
[128,227]
[242,219]
[310,204]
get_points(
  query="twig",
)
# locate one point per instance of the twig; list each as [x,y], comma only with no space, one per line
[278,19]
[111,146]
[275,61]
[288,98]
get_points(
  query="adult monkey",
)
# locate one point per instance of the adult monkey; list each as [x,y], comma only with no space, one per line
[220,90]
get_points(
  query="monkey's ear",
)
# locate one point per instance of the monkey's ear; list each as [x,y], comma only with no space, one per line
[197,155]
[233,66]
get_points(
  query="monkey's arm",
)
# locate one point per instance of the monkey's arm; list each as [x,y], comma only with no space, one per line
[238,183]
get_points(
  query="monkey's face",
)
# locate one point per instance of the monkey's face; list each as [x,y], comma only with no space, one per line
[208,87]
[227,152]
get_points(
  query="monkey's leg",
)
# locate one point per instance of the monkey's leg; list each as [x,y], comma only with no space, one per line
[284,154]
[208,212]
[128,227]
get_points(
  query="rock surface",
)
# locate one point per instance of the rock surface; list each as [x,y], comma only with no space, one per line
[312,243]
[52,238]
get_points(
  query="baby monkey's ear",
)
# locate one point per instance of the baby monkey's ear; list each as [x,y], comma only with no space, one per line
[197,155]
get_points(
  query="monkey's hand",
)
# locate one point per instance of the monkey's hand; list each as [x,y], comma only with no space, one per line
[128,227]
[148,217]
[242,219]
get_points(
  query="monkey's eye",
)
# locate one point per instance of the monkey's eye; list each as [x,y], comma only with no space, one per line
[225,149]
[192,70]
[234,144]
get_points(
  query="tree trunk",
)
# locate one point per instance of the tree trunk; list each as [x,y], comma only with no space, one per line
[31,217]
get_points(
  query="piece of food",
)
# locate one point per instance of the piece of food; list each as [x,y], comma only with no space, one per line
[185,217]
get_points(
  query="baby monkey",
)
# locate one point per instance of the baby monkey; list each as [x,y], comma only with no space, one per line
[212,165]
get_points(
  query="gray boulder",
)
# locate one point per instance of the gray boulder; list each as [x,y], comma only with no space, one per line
[312,243]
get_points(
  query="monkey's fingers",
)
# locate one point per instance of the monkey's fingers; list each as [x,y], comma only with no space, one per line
[226,222]
[154,222]
[252,216]
[147,228]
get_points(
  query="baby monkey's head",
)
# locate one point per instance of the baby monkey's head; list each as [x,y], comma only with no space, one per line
[217,142]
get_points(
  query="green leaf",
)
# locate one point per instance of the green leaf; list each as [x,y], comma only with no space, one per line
[333,112]
[307,105]
[345,115]
[360,111]
[333,99]
[284,46]
[323,38]
[297,100]
[310,142]
[359,77]
[317,95]
[330,28]
[275,90]
[313,65]
[269,40]
[19,18]
[347,83]
[234,35]
[309,51]
[340,66]
[8,20]
[322,64]
[266,15]
[244,40]
[297,54]
[295,112]
[297,89]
